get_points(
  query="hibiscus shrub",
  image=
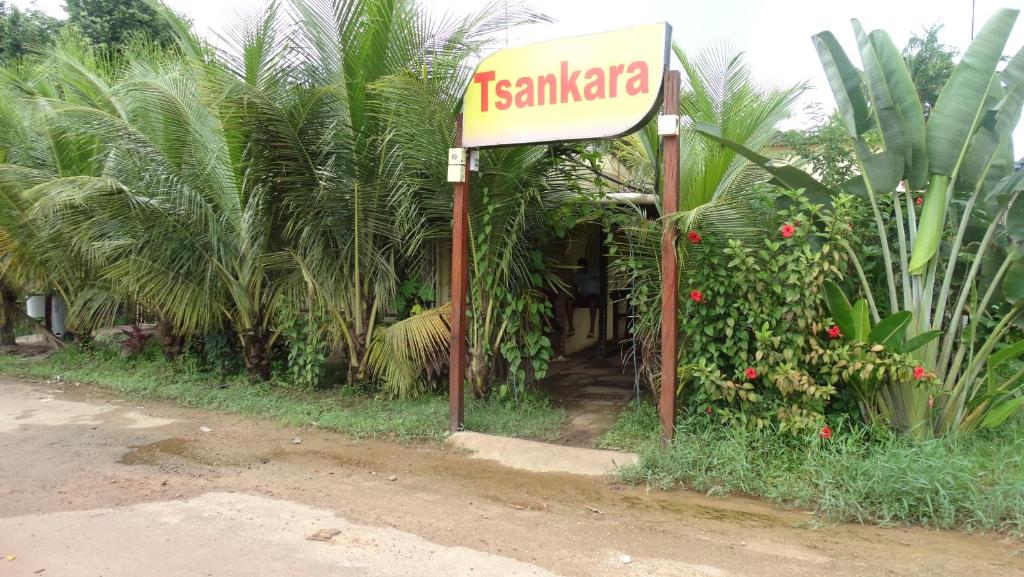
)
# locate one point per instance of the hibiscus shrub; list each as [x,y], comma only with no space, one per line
[753,322]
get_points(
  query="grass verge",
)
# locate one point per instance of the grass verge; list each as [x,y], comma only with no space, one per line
[348,411]
[971,482]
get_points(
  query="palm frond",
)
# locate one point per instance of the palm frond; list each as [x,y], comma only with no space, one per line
[401,352]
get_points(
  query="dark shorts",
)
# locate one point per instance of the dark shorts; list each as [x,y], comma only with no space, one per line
[588,299]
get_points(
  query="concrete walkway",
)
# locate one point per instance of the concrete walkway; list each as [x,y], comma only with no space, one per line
[541,457]
[593,391]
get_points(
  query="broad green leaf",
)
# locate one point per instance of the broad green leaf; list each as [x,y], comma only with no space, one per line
[904,98]
[861,320]
[919,341]
[998,358]
[1015,220]
[991,266]
[996,415]
[929,229]
[961,102]
[1013,283]
[786,176]
[988,157]
[887,117]
[1005,354]
[840,308]
[1013,74]
[845,80]
[856,187]
[884,169]
[999,196]
[889,331]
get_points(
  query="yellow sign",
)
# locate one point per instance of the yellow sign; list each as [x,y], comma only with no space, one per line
[587,87]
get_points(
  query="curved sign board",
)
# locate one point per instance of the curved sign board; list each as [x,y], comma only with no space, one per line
[587,87]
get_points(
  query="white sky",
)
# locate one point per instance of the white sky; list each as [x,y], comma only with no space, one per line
[774,35]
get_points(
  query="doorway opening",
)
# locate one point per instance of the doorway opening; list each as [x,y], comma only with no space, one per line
[593,375]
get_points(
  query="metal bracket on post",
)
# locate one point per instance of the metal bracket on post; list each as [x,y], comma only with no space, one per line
[456,165]
[668,125]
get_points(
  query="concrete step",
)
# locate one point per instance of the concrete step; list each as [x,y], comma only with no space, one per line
[541,457]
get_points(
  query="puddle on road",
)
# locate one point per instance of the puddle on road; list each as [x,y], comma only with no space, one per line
[194,452]
[158,452]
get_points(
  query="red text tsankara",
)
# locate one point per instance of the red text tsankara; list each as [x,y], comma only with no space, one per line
[567,86]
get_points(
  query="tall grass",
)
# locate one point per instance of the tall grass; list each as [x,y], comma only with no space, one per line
[970,482]
[348,411]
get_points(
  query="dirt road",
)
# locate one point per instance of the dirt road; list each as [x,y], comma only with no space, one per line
[94,485]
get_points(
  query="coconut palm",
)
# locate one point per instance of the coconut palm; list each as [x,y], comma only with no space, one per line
[35,153]
[392,79]
[219,182]
[177,213]
[515,197]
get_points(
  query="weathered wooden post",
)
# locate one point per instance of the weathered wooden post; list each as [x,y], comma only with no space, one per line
[458,172]
[668,128]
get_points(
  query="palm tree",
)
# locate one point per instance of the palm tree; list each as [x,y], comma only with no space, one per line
[36,153]
[215,184]
[174,211]
[517,195]
[390,79]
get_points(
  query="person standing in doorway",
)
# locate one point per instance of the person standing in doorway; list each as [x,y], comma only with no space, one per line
[588,293]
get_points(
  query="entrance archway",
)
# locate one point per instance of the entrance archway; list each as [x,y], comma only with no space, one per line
[616,99]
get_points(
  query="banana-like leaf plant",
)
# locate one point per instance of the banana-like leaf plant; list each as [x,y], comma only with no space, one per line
[959,161]
[883,394]
[854,323]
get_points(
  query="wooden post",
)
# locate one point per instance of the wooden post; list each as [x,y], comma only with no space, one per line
[602,283]
[460,284]
[669,266]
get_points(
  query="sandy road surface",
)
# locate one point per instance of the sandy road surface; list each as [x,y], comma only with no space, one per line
[95,485]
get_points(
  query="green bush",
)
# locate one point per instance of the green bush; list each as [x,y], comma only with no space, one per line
[307,350]
[753,321]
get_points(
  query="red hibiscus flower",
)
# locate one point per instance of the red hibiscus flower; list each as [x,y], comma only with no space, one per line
[918,373]
[825,433]
[919,201]
[834,332]
[787,230]
[708,410]
[693,236]
[751,373]
[696,296]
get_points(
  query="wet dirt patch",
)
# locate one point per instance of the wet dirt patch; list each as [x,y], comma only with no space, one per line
[182,451]
[542,491]
[159,452]
[732,516]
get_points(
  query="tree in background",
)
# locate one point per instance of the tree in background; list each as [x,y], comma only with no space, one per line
[22,30]
[824,147]
[112,22]
[930,63]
